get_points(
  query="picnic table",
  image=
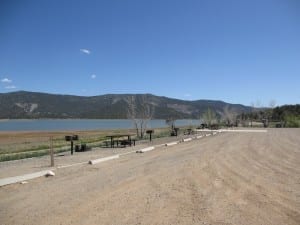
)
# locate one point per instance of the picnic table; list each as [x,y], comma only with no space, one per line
[123,142]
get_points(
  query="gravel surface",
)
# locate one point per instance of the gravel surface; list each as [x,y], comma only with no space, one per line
[228,178]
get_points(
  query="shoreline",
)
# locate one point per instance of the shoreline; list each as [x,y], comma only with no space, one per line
[69,125]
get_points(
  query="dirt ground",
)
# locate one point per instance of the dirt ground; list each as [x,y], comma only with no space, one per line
[229,178]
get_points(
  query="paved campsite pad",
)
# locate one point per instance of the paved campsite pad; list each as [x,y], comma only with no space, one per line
[231,178]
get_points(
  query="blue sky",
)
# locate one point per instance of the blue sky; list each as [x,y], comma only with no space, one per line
[234,50]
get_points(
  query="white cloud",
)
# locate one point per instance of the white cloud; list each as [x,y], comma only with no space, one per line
[85,51]
[187,95]
[6,80]
[11,87]
[93,76]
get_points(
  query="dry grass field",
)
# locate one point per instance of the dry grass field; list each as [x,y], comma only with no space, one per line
[229,178]
[37,141]
[19,145]
[12,142]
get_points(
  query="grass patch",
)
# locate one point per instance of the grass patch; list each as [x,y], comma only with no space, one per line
[28,154]
[39,146]
[23,151]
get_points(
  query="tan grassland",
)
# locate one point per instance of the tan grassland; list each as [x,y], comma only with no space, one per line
[229,178]
[8,137]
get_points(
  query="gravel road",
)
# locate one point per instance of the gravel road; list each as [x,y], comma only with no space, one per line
[229,178]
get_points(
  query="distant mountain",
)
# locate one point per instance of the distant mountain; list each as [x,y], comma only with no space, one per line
[32,105]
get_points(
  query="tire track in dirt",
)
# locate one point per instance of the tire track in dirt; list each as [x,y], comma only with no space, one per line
[232,178]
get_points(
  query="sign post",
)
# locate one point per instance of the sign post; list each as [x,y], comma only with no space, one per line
[150,133]
[71,139]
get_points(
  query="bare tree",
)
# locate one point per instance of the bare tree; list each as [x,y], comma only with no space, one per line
[171,123]
[139,115]
[229,116]
[209,117]
[258,103]
[252,112]
[131,111]
[272,103]
[269,112]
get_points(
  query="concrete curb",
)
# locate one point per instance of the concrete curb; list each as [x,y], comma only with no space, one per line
[17,179]
[187,139]
[95,161]
[145,150]
[158,146]
[127,153]
[206,130]
[245,131]
[171,143]
[75,164]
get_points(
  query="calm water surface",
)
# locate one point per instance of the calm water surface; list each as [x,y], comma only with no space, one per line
[81,124]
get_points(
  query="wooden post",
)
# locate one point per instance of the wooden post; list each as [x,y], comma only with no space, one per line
[71,147]
[51,152]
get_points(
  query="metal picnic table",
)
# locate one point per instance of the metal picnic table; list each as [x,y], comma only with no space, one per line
[129,141]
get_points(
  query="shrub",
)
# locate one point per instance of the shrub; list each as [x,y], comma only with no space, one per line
[292,121]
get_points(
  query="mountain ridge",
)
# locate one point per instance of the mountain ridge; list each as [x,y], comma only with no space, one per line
[35,105]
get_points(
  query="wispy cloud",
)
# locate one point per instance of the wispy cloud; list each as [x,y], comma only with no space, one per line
[85,51]
[93,76]
[10,87]
[187,95]
[6,80]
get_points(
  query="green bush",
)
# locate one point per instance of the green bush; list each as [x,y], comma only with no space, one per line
[292,121]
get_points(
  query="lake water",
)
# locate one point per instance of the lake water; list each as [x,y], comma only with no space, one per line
[81,124]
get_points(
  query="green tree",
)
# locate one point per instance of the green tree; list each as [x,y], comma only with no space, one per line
[292,120]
